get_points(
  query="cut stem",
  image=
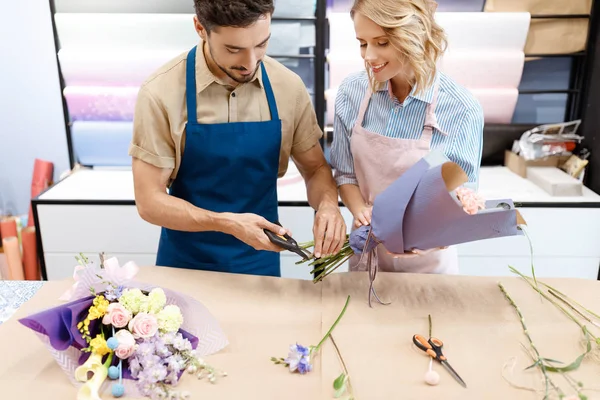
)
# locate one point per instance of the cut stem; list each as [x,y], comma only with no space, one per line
[346,373]
[333,326]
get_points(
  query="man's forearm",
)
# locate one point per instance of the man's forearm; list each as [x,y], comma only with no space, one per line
[174,213]
[321,188]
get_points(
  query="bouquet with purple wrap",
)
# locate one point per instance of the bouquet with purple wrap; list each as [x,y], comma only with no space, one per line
[427,207]
[140,336]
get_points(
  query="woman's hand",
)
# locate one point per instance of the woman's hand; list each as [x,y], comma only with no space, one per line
[363,217]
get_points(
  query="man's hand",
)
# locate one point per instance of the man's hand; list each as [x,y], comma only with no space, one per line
[329,230]
[363,217]
[249,229]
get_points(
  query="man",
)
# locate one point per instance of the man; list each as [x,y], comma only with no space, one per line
[217,126]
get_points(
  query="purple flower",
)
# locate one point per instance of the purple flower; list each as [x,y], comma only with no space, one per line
[299,359]
[113,293]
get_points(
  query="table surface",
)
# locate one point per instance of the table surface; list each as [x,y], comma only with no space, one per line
[262,316]
[103,185]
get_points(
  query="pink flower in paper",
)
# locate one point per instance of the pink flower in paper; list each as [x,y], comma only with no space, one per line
[470,200]
[117,315]
[126,346]
[143,325]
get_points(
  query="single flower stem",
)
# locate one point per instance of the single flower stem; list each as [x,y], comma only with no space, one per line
[553,293]
[333,326]
[109,359]
[429,317]
[526,332]
[551,300]
[571,300]
[339,353]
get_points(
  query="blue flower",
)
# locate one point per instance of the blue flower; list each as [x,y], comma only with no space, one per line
[299,359]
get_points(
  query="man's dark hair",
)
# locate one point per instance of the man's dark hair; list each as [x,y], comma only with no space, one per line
[233,13]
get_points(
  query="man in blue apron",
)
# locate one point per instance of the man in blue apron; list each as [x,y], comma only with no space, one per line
[217,126]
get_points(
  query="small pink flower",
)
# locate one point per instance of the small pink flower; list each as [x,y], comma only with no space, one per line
[143,325]
[470,200]
[126,346]
[117,316]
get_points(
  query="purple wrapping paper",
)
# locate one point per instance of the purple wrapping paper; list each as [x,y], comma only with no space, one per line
[97,103]
[418,212]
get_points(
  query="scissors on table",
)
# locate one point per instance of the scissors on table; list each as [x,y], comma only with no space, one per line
[433,347]
[288,243]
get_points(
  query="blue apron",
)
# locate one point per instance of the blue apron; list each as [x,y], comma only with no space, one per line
[226,167]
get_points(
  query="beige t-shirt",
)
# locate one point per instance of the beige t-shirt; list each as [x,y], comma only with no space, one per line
[161,113]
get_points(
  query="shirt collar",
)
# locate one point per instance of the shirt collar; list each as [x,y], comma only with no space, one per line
[426,96]
[204,77]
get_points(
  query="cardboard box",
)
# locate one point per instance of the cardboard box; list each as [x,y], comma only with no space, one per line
[555,181]
[518,164]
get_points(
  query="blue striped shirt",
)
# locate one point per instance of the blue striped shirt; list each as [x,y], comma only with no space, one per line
[458,114]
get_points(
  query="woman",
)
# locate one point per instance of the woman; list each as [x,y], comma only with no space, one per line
[389,117]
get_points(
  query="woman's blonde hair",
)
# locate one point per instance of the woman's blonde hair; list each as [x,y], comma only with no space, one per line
[412,30]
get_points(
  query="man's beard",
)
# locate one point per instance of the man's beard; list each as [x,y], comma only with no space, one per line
[243,79]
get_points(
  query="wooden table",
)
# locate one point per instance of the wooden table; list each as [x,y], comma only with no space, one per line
[262,316]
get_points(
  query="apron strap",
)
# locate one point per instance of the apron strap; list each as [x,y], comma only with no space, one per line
[363,106]
[269,93]
[190,86]
[430,119]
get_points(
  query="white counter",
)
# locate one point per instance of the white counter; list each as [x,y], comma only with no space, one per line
[94,210]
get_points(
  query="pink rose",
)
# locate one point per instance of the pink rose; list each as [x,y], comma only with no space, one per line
[117,316]
[471,201]
[143,325]
[126,346]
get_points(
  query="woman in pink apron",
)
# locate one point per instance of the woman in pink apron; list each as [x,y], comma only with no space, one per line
[391,115]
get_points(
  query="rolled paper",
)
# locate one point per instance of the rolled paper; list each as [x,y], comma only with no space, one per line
[498,104]
[101,103]
[106,67]
[537,7]
[443,5]
[341,64]
[30,256]
[13,258]
[102,143]
[160,32]
[484,69]
[330,103]
[8,227]
[284,8]
[557,36]
[4,271]
[464,30]
[41,180]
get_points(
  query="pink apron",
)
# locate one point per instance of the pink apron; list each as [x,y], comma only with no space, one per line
[378,161]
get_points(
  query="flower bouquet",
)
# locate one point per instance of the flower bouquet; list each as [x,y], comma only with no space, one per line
[427,207]
[139,336]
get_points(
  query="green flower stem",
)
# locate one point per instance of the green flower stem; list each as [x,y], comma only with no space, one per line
[551,300]
[571,300]
[332,326]
[109,360]
[346,373]
[553,293]
[537,358]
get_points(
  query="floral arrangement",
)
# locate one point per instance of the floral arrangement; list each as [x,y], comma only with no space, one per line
[140,337]
[299,359]
[470,201]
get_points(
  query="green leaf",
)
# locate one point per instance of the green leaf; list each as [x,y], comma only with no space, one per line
[339,381]
[533,365]
[340,393]
[552,361]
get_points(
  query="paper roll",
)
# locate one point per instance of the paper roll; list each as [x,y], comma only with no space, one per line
[498,104]
[341,64]
[4,271]
[160,32]
[41,180]
[557,36]
[443,5]
[102,143]
[30,256]
[8,227]
[112,67]
[13,258]
[330,101]
[100,103]
[283,8]
[484,69]
[540,6]
[476,30]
